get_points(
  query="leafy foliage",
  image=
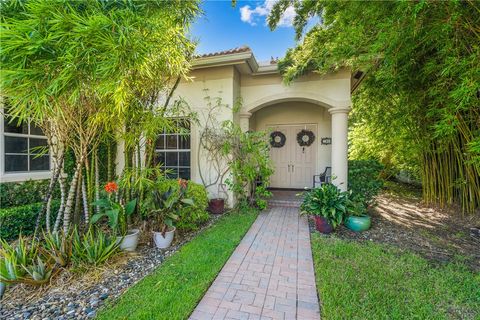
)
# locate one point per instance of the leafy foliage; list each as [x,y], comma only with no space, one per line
[16,220]
[116,213]
[417,108]
[189,217]
[364,181]
[87,72]
[15,194]
[249,164]
[59,247]
[22,262]
[164,207]
[92,248]
[326,201]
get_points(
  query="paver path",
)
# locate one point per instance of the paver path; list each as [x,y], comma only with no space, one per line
[270,274]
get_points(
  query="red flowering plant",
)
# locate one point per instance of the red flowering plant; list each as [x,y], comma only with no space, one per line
[111,187]
[164,207]
[116,212]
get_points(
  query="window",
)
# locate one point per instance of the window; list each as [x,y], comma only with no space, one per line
[172,150]
[25,147]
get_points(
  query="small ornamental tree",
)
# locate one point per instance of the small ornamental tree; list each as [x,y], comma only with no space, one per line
[83,69]
[249,164]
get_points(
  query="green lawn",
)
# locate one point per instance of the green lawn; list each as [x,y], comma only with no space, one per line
[174,289]
[372,281]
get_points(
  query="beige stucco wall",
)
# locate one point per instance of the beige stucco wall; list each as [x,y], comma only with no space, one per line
[269,101]
[288,113]
[216,82]
[332,90]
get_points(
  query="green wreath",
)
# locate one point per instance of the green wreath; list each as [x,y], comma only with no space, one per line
[305,138]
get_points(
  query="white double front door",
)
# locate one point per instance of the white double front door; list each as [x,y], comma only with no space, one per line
[294,164]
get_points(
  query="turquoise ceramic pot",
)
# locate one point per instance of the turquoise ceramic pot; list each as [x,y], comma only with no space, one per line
[358,224]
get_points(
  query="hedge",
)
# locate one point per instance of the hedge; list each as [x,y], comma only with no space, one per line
[364,179]
[14,194]
[16,220]
[192,216]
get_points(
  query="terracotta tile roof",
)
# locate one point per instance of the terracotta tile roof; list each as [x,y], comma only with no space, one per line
[225,52]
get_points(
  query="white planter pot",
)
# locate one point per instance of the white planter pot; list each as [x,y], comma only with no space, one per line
[161,241]
[130,241]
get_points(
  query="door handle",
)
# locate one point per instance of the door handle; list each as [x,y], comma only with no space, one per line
[288,168]
[293,168]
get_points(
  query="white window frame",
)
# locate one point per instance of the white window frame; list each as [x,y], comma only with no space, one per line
[20,175]
[177,150]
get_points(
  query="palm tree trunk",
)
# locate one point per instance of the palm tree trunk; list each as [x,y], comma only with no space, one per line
[109,165]
[71,196]
[77,215]
[48,193]
[97,182]
[47,217]
[86,213]
[62,205]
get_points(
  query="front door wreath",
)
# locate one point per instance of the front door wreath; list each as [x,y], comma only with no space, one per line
[305,138]
[277,139]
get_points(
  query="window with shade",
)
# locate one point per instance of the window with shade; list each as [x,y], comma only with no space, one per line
[172,150]
[25,147]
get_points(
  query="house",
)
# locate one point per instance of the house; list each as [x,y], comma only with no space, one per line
[308,120]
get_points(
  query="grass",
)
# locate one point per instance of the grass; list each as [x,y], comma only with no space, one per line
[372,281]
[173,290]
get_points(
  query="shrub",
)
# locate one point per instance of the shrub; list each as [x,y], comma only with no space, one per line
[364,180]
[93,248]
[14,194]
[16,220]
[248,155]
[23,262]
[326,201]
[190,217]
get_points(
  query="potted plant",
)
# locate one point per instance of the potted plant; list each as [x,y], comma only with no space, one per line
[328,206]
[357,219]
[164,208]
[117,215]
[216,205]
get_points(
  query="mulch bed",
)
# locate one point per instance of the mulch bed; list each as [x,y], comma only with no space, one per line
[440,235]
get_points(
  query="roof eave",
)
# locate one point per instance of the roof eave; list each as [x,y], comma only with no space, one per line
[219,60]
[234,59]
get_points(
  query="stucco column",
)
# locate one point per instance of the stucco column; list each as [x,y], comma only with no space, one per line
[340,146]
[245,121]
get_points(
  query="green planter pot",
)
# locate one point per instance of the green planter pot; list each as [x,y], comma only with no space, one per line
[358,224]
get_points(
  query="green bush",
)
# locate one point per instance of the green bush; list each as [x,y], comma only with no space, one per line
[16,220]
[190,217]
[326,201]
[14,194]
[92,248]
[364,180]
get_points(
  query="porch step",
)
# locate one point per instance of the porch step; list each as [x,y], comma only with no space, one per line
[284,203]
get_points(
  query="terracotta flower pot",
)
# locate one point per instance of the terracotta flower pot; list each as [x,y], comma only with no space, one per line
[323,225]
[216,206]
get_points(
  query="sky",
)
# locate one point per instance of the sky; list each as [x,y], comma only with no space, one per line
[224,27]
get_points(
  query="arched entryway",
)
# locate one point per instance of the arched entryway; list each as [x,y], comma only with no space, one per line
[295,161]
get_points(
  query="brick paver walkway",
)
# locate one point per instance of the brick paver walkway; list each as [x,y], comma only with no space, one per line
[269,276]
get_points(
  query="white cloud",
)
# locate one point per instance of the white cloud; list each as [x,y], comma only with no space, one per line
[253,15]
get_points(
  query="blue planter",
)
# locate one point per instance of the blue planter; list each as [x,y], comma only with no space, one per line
[3,287]
[358,224]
